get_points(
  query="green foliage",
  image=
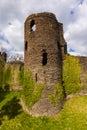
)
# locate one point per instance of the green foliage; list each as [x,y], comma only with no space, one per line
[72,117]
[2,63]
[1,78]
[21,77]
[74,114]
[71,75]
[31,91]
[5,77]
[9,106]
[58,94]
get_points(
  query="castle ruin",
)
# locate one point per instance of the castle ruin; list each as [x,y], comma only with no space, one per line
[45,49]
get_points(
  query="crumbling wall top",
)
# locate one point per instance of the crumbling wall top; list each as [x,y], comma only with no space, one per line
[43,14]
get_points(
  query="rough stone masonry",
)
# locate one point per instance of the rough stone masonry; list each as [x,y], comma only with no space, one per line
[45,49]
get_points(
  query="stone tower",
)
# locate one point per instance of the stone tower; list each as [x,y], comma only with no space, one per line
[45,49]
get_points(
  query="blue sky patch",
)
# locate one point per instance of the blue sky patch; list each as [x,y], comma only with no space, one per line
[71,50]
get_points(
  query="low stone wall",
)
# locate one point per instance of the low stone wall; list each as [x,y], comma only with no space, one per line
[83,63]
[16,68]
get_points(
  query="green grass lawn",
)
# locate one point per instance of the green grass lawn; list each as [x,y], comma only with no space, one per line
[72,117]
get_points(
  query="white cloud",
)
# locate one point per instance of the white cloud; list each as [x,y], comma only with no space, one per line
[15,34]
[72,13]
[76,32]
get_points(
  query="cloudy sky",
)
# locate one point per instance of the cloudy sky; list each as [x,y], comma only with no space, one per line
[72,13]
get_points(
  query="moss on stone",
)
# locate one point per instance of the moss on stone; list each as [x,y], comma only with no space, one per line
[58,94]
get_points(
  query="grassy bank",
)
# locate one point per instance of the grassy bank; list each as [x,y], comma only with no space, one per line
[72,117]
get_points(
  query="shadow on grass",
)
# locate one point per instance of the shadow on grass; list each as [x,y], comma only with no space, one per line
[3,95]
[10,109]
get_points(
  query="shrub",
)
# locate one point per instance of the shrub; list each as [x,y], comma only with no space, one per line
[31,91]
[58,94]
[5,77]
[71,75]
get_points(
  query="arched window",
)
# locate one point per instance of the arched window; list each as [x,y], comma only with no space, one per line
[44,58]
[32,25]
[26,45]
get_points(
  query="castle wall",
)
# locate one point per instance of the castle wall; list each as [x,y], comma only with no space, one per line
[83,63]
[16,67]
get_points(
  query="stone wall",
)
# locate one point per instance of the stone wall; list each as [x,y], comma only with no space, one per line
[45,47]
[16,67]
[83,63]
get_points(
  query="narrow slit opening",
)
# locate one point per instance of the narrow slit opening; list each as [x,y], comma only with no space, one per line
[44,58]
[36,77]
[26,45]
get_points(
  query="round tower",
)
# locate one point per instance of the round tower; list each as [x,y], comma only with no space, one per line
[43,53]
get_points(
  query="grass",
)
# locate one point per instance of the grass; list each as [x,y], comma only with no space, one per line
[72,117]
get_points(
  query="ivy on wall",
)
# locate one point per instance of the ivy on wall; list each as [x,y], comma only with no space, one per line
[58,94]
[31,91]
[71,75]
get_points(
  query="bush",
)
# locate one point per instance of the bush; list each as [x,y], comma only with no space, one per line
[71,75]
[58,94]
[31,91]
[5,78]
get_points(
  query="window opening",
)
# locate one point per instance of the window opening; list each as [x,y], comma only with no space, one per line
[44,58]
[26,46]
[32,26]
[36,77]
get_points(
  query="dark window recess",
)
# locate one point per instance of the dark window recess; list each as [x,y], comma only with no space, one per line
[44,57]
[58,45]
[26,46]
[36,77]
[32,26]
